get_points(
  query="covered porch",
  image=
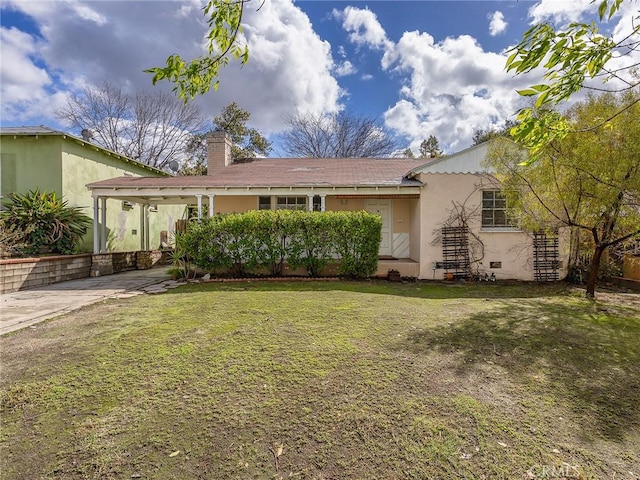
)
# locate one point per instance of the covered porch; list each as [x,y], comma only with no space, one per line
[396,205]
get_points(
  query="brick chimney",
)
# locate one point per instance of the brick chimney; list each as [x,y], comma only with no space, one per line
[218,151]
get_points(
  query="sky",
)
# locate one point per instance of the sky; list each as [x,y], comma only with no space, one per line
[420,68]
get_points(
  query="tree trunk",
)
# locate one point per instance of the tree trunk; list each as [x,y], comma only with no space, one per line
[593,271]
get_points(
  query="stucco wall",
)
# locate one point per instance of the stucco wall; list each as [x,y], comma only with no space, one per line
[234,203]
[27,163]
[512,248]
[66,166]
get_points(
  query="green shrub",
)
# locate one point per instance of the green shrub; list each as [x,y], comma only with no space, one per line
[243,242]
[47,221]
[312,244]
[357,236]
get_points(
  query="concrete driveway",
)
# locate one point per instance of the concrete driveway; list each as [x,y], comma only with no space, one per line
[27,307]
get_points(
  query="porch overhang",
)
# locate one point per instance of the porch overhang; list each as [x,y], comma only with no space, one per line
[189,195]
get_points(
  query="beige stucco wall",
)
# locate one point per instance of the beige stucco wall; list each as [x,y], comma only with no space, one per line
[511,247]
[234,203]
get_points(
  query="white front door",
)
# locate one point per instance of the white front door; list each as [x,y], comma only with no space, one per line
[382,207]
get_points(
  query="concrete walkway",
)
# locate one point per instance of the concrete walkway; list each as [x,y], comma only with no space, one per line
[27,307]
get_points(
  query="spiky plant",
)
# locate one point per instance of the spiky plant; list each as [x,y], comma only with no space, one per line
[46,220]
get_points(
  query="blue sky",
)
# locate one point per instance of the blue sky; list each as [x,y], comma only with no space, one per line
[420,67]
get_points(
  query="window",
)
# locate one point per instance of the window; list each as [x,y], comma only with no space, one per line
[494,210]
[264,203]
[291,203]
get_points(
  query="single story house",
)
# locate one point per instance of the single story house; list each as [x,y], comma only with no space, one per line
[441,219]
[54,161]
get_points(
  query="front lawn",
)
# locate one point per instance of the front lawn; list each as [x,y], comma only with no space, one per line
[328,380]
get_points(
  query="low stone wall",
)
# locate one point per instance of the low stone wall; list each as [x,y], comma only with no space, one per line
[109,263]
[20,273]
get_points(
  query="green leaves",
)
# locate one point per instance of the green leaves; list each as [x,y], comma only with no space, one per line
[46,220]
[240,243]
[568,58]
[197,76]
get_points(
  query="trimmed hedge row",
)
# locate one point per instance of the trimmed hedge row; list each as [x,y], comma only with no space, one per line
[240,243]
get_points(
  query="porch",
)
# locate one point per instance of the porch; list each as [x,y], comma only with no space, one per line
[405,266]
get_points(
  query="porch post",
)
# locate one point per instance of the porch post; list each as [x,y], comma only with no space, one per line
[199,199]
[310,202]
[96,232]
[142,240]
[146,227]
[323,197]
[211,197]
[103,227]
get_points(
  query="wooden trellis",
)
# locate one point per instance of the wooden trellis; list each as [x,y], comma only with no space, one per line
[455,252]
[546,257]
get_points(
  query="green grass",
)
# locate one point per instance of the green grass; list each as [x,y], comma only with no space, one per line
[349,379]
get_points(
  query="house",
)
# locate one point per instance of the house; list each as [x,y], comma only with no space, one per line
[46,159]
[422,235]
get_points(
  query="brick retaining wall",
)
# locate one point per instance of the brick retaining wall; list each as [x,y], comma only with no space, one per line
[20,273]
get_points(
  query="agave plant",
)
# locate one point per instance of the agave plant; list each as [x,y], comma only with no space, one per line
[47,220]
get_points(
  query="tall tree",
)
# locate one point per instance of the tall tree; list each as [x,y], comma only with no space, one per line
[588,180]
[482,135]
[339,135]
[247,141]
[151,127]
[572,59]
[430,148]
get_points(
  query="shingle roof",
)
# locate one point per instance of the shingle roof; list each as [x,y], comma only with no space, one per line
[30,130]
[288,172]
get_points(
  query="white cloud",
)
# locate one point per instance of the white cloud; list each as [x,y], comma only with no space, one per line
[497,25]
[454,87]
[86,42]
[23,84]
[363,27]
[366,77]
[561,12]
[345,68]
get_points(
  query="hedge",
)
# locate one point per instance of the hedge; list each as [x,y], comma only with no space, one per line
[240,243]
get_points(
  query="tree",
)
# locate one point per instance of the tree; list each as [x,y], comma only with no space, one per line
[408,153]
[152,128]
[247,142]
[339,135]
[224,18]
[571,58]
[588,180]
[430,148]
[482,135]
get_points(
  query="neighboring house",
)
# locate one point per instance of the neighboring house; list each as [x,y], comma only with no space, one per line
[414,199]
[41,158]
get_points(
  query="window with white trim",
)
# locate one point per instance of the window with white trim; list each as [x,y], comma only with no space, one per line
[291,203]
[495,213]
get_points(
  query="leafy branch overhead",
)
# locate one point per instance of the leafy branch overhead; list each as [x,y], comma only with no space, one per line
[570,58]
[195,77]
